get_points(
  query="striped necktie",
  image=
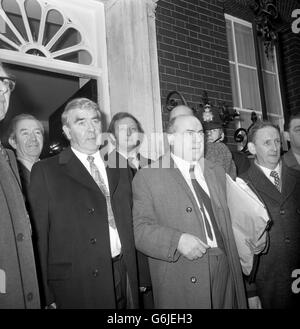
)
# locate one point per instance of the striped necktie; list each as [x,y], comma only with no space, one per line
[101,184]
[198,190]
[275,175]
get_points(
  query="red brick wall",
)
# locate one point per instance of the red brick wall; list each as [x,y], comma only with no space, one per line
[192,51]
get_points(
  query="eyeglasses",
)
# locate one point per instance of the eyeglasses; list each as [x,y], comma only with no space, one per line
[9,83]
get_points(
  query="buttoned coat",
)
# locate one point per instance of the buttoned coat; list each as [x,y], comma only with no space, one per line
[164,208]
[274,275]
[70,217]
[18,280]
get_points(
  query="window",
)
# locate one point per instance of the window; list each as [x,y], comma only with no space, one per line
[244,75]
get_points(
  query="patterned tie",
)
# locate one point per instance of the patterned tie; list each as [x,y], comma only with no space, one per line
[4,152]
[275,175]
[100,182]
[197,187]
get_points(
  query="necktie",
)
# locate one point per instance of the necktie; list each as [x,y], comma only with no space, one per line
[198,192]
[100,182]
[275,175]
[3,152]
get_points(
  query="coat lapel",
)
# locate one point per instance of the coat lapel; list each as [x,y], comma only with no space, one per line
[76,170]
[288,182]
[262,184]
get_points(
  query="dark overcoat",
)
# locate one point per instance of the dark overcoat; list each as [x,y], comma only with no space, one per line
[274,275]
[70,218]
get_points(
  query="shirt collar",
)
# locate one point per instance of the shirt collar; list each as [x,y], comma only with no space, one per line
[268,171]
[27,164]
[83,156]
[183,165]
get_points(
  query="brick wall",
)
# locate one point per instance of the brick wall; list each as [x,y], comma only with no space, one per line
[290,50]
[192,51]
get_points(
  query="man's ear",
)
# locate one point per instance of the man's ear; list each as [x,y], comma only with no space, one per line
[112,138]
[12,142]
[66,131]
[222,136]
[251,148]
[286,136]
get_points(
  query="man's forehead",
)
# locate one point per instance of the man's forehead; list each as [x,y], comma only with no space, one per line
[295,123]
[267,132]
[26,123]
[84,113]
[185,123]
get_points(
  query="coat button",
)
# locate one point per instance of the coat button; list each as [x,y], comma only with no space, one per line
[282,212]
[193,279]
[95,273]
[287,240]
[91,211]
[93,240]
[30,296]
[188,209]
[20,237]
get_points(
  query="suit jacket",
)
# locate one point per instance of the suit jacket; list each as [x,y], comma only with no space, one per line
[164,208]
[19,286]
[290,160]
[274,275]
[70,217]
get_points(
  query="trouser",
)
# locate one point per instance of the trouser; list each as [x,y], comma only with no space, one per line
[120,281]
[221,281]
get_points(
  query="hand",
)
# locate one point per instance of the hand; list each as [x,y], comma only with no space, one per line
[254,303]
[191,246]
[51,307]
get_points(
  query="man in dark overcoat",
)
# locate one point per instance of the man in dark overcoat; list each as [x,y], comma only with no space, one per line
[82,215]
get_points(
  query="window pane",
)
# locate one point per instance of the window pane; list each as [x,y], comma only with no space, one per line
[272,93]
[266,63]
[249,89]
[244,44]
[234,86]
[230,40]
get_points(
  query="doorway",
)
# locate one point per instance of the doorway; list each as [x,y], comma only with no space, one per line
[43,94]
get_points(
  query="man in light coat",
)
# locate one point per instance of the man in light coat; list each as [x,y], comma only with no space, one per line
[185,229]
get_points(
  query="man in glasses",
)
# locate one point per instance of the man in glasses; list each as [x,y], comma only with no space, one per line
[18,279]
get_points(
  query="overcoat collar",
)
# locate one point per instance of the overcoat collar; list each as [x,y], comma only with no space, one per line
[210,179]
[264,185]
[77,171]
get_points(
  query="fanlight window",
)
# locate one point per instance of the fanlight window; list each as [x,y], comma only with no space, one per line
[35,27]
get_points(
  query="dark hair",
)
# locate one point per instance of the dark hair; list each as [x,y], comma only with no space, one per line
[260,125]
[292,117]
[20,117]
[122,115]
[79,103]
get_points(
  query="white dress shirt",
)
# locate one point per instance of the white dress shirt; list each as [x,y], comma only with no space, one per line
[268,171]
[115,243]
[184,168]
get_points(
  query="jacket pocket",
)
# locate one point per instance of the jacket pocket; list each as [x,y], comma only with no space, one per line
[59,271]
